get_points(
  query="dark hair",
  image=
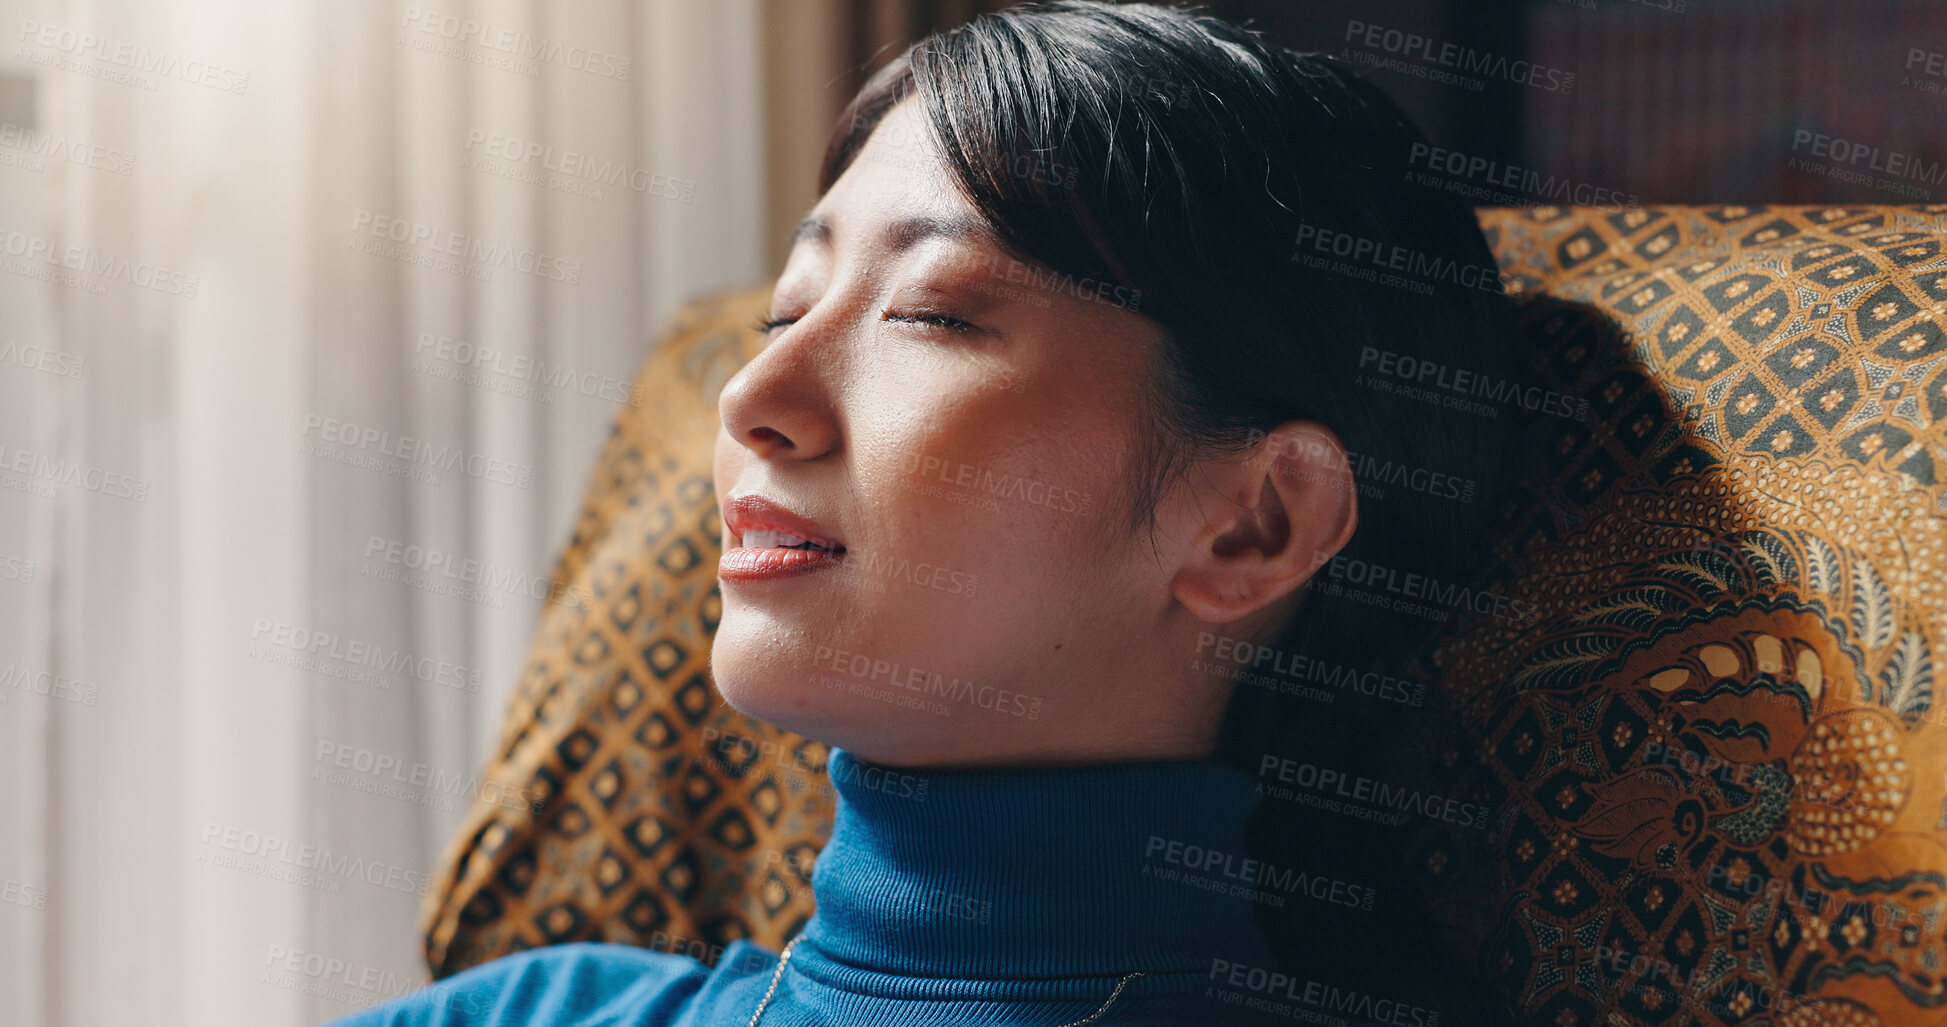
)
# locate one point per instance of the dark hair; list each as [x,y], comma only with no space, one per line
[1258,201]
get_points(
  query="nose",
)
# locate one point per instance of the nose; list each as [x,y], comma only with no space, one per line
[783,403]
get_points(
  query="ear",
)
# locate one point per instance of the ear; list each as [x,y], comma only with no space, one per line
[1280,510]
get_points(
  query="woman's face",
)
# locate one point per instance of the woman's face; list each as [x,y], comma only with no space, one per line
[960,429]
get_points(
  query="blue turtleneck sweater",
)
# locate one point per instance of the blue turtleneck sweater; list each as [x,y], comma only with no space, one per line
[965,897]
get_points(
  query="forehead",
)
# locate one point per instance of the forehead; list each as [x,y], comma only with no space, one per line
[898,188]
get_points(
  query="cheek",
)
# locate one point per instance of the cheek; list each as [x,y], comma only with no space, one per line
[1018,511]
[724,464]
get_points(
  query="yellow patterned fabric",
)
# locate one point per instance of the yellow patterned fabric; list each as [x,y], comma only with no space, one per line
[1718,750]
[1721,773]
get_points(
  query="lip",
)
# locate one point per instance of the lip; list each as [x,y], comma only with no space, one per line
[748,513]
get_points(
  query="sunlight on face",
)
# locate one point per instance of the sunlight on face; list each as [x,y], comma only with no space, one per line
[960,428]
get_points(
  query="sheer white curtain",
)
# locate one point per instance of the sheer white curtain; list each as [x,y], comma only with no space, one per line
[312,317]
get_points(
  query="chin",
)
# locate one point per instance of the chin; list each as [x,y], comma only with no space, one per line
[746,679]
[762,678]
[769,683]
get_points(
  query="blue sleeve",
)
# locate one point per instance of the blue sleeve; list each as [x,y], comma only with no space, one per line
[583,984]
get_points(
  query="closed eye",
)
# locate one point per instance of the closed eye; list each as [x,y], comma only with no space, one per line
[767,325]
[943,320]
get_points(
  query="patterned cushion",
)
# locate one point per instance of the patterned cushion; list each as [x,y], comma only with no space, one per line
[1720,766]
[1722,785]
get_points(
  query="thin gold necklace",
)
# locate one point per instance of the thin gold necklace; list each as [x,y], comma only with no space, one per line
[784,959]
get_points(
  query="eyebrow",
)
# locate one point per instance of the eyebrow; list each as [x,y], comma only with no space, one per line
[907,232]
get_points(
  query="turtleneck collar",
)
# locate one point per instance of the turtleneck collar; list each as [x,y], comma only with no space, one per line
[1035,873]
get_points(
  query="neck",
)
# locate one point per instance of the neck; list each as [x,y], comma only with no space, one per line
[1062,871]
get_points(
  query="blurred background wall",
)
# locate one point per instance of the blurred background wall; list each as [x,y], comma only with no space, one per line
[1662,101]
[314,313]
